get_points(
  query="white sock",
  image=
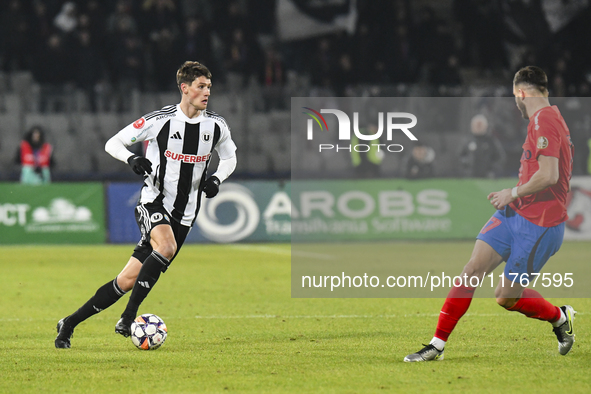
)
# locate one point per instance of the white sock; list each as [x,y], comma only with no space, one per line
[560,321]
[438,343]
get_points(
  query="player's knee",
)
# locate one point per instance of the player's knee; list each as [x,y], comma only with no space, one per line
[125,283]
[506,302]
[167,249]
[471,269]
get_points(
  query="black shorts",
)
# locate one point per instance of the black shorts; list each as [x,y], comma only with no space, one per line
[149,216]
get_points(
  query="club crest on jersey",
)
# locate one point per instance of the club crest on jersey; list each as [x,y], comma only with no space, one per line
[542,143]
[138,124]
[206,137]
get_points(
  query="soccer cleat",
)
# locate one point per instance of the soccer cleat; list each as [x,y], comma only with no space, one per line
[564,332]
[428,353]
[64,333]
[123,326]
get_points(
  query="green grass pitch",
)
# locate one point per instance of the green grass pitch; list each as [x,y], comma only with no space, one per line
[233,327]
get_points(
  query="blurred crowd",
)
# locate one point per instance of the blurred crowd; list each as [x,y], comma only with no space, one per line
[128,44]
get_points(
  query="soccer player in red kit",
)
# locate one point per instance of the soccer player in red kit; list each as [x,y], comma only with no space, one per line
[528,226]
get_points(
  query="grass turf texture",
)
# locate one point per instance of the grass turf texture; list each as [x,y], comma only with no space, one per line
[233,327]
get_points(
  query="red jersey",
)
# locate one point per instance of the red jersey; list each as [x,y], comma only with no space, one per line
[547,135]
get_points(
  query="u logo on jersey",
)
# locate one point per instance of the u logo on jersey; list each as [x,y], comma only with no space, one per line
[206,137]
[156,217]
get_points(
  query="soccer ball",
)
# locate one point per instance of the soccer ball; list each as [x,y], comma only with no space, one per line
[148,332]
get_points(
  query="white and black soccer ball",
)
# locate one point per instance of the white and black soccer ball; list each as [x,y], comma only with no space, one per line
[148,332]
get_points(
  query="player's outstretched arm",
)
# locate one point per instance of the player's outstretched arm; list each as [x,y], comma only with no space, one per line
[116,148]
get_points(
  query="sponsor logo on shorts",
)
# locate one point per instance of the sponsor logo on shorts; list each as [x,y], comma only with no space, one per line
[138,124]
[542,143]
[186,158]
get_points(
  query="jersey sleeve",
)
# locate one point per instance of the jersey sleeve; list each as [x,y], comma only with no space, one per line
[225,147]
[547,136]
[140,130]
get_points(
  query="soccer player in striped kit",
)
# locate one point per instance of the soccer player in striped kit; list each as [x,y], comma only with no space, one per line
[181,139]
[528,227]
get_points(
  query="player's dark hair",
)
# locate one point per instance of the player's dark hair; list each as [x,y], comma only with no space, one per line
[532,76]
[190,71]
[29,136]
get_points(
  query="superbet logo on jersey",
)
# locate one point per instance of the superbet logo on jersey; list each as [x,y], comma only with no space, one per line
[138,124]
[186,158]
[345,130]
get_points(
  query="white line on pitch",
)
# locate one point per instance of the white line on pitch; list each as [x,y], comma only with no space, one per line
[348,316]
[9,319]
[283,252]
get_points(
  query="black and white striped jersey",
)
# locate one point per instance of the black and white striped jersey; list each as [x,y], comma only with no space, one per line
[180,149]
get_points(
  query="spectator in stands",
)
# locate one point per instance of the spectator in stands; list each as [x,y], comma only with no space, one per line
[66,21]
[14,30]
[402,59]
[127,70]
[323,63]
[159,14]
[483,155]
[242,59]
[92,17]
[344,76]
[230,18]
[197,41]
[272,79]
[165,50]
[35,157]
[53,71]
[43,23]
[121,19]
[164,40]
[88,68]
[364,45]
[426,30]
[419,164]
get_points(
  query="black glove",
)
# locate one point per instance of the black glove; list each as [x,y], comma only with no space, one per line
[212,186]
[140,165]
